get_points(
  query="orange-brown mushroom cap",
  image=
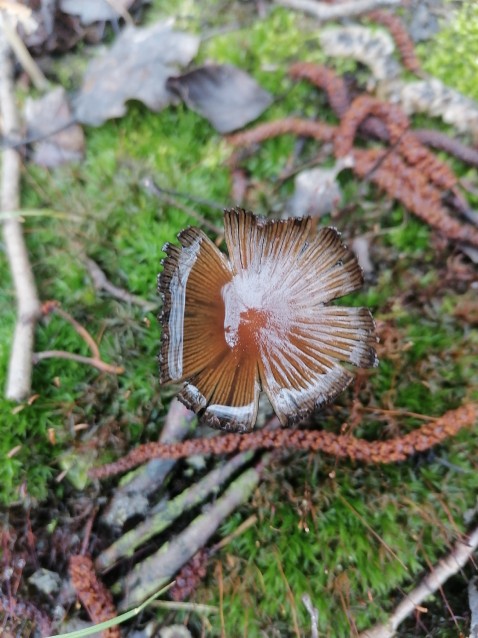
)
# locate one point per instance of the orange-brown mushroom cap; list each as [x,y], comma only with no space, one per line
[259,319]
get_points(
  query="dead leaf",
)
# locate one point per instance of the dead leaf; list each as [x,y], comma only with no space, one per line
[361,248]
[46,115]
[225,95]
[90,11]
[317,191]
[136,67]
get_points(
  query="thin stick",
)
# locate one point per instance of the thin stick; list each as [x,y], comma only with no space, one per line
[71,356]
[28,304]
[473,602]
[152,188]
[446,567]
[23,55]
[249,522]
[83,332]
[148,479]
[314,615]
[101,282]
[325,11]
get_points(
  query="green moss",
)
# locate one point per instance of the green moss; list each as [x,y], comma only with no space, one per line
[452,55]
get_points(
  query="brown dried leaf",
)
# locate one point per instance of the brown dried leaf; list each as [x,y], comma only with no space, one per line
[136,67]
[47,114]
[225,95]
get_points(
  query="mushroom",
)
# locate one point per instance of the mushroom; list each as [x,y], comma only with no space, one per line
[260,320]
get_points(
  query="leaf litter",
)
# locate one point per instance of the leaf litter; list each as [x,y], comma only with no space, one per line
[44,116]
[136,67]
[225,95]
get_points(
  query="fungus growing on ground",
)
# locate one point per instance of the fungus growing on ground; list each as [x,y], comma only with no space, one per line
[260,320]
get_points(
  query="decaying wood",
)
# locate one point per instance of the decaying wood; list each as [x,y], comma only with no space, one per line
[149,478]
[159,568]
[158,521]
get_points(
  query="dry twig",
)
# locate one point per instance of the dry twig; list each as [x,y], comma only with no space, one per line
[446,567]
[21,52]
[28,304]
[99,364]
[95,360]
[101,282]
[53,306]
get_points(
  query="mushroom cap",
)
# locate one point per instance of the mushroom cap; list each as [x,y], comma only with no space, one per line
[260,319]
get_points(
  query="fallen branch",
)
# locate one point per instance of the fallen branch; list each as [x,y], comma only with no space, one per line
[158,569]
[28,305]
[337,445]
[446,567]
[168,513]
[149,478]
[325,11]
